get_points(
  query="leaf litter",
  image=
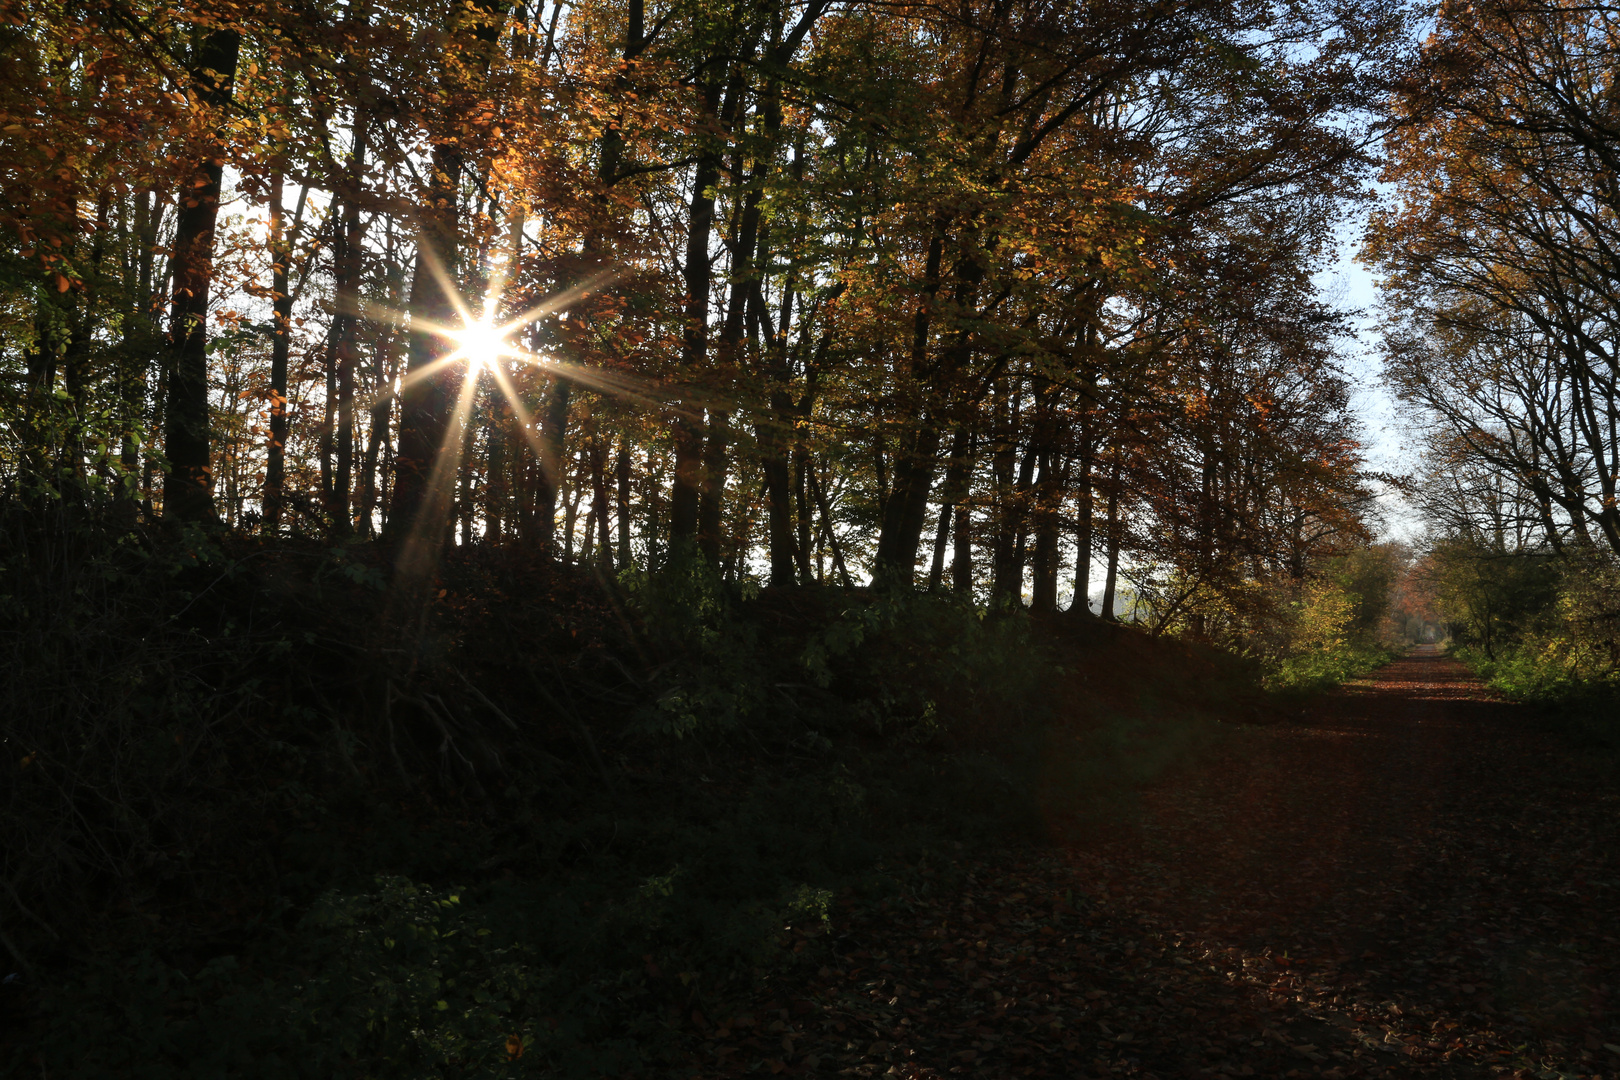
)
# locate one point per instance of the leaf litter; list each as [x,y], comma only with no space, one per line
[1409,880]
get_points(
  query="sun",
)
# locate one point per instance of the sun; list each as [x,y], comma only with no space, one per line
[482,343]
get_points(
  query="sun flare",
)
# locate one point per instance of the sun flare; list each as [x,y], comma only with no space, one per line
[483,343]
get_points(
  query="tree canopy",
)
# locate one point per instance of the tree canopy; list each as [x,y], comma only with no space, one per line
[966,296]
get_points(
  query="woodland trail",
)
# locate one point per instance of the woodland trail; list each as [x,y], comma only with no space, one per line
[1406,881]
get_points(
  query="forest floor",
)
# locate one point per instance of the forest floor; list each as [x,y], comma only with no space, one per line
[1409,878]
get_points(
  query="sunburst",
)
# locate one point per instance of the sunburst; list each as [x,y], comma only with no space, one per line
[486,345]
[483,344]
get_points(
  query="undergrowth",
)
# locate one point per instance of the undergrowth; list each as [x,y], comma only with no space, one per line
[1321,670]
[267,820]
[1571,690]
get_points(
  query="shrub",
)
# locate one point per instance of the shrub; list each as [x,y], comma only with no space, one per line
[917,665]
[1333,634]
[710,676]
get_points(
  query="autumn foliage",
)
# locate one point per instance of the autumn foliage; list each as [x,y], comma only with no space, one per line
[975,297]
[644,463]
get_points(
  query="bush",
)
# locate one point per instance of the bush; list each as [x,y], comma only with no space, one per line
[1333,635]
[710,676]
[249,794]
[921,665]
[1563,653]
[399,981]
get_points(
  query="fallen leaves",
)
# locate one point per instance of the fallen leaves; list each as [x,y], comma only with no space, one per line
[1407,883]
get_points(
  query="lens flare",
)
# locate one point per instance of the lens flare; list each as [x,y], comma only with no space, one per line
[488,349]
[482,343]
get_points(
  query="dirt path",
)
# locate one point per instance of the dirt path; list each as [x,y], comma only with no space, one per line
[1407,881]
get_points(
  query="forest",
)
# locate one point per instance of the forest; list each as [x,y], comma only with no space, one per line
[524,526]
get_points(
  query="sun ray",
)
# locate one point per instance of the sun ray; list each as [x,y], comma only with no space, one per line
[484,343]
[558,301]
[421,549]
[525,421]
[624,386]
[436,269]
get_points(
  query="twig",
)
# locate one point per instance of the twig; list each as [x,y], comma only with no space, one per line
[389,694]
[488,704]
[22,907]
[557,764]
[22,961]
[580,730]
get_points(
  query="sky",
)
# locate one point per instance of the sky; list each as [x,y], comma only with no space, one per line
[1385,437]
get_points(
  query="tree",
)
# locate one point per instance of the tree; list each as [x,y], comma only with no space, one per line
[188,492]
[788,285]
[1503,290]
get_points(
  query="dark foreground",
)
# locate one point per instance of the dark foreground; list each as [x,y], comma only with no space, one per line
[1407,880]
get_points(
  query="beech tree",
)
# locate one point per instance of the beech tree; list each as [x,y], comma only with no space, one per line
[1499,255]
[790,288]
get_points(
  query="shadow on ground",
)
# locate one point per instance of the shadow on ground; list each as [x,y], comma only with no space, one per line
[1407,879]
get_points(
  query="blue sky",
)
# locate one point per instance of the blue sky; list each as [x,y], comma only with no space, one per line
[1350,285]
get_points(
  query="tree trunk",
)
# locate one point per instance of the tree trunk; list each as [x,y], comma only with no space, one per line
[139,332]
[827,530]
[51,318]
[187,491]
[711,492]
[699,275]
[806,517]
[954,491]
[281,239]
[750,251]
[787,557]
[1084,508]
[347,285]
[905,508]
[649,493]
[466,497]
[599,501]
[498,469]
[962,550]
[382,406]
[779,519]
[571,494]
[1112,539]
[1003,465]
[423,477]
[1048,490]
[328,437]
[553,432]
[622,476]
[1009,577]
[76,357]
